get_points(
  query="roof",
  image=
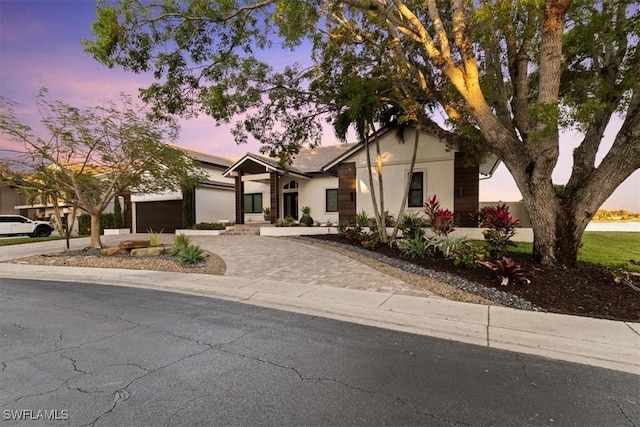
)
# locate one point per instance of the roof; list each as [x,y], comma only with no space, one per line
[205,157]
[312,160]
[308,160]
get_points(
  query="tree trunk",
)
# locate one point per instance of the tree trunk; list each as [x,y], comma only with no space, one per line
[95,231]
[407,186]
[382,220]
[376,212]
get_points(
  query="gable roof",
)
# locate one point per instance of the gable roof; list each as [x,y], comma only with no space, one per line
[312,160]
[307,161]
[252,161]
[205,157]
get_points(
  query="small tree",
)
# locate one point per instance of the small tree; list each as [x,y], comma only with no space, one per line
[91,155]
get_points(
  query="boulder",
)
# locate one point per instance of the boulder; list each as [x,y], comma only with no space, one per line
[155,251]
[112,251]
[134,244]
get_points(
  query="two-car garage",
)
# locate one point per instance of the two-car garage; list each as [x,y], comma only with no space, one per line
[160,216]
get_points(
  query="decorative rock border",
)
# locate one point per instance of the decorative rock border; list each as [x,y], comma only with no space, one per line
[492,294]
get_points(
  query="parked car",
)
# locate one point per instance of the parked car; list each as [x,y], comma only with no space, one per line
[16,225]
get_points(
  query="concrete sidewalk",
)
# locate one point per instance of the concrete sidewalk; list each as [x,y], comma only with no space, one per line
[604,343]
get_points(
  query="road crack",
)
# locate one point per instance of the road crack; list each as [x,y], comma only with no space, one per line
[621,409]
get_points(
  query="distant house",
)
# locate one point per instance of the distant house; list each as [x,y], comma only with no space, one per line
[333,180]
[9,199]
[212,200]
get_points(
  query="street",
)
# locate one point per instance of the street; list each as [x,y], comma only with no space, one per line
[104,355]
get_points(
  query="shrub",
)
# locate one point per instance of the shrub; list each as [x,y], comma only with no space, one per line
[84,225]
[362,219]
[354,234]
[107,220]
[370,240]
[412,247]
[469,254]
[209,226]
[501,227]
[154,238]
[180,241]
[286,222]
[190,255]
[445,245]
[118,219]
[412,224]
[507,269]
[440,220]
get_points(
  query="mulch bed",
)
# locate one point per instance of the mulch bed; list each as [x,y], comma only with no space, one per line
[587,290]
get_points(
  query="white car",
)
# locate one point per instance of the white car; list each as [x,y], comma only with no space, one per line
[16,225]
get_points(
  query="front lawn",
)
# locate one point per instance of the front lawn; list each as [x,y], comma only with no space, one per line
[23,240]
[608,248]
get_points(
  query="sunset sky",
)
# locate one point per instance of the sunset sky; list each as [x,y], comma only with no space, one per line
[40,47]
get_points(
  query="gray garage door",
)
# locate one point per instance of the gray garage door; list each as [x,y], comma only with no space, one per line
[164,215]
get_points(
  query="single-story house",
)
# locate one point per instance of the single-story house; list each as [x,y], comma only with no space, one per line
[333,180]
[212,200]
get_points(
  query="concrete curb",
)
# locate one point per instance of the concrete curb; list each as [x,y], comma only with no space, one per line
[596,342]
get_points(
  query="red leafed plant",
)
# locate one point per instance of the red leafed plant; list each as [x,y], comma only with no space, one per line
[440,220]
[507,269]
[501,227]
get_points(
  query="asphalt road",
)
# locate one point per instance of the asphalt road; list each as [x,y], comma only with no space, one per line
[90,354]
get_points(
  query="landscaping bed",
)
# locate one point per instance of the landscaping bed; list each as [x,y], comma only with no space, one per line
[212,264]
[587,290]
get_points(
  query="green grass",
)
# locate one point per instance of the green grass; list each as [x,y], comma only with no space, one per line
[23,240]
[609,248]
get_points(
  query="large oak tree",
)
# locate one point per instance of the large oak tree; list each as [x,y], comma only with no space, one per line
[510,75]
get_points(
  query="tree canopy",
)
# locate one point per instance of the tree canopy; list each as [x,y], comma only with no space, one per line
[91,155]
[509,75]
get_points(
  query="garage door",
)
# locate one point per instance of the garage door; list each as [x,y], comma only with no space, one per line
[164,215]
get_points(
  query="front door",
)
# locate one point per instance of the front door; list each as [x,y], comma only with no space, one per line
[291,205]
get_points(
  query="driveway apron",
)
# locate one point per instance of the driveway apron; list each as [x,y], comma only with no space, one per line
[288,260]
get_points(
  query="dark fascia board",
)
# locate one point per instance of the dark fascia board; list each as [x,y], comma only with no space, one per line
[218,185]
[263,162]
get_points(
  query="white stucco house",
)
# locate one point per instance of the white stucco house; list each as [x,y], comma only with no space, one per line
[212,200]
[333,180]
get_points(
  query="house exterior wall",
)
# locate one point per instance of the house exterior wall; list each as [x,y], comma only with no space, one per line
[312,193]
[251,187]
[432,158]
[214,204]
[9,199]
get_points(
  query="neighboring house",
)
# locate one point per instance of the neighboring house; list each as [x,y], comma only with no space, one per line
[212,201]
[333,180]
[9,199]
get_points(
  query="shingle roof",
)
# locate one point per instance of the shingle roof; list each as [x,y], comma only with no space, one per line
[205,157]
[313,159]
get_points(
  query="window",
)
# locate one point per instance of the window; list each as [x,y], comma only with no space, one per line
[291,185]
[416,190]
[331,200]
[253,203]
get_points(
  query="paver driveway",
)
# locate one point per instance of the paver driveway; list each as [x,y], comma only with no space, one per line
[290,260]
[271,258]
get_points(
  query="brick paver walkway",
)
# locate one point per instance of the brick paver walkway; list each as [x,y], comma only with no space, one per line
[287,260]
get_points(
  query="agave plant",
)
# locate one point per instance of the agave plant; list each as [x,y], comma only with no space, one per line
[507,269]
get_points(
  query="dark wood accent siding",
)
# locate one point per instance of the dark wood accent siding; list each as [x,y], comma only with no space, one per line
[466,188]
[239,199]
[274,185]
[165,216]
[346,192]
